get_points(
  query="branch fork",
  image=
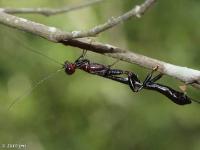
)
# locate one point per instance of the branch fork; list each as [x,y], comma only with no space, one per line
[77,39]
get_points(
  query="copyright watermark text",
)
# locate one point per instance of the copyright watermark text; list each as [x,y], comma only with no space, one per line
[13,146]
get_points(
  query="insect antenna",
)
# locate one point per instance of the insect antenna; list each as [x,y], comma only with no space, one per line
[28,91]
[41,54]
[28,48]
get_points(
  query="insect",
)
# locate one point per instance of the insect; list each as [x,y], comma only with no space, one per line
[130,79]
[149,83]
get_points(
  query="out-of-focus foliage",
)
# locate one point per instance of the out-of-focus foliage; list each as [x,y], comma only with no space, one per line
[86,112]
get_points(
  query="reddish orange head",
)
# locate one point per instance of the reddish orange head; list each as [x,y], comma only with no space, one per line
[69,68]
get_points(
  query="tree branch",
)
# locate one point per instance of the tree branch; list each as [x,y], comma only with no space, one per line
[137,11]
[57,35]
[184,74]
[187,75]
[49,11]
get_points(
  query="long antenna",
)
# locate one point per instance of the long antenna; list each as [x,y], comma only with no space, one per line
[39,53]
[28,48]
[28,91]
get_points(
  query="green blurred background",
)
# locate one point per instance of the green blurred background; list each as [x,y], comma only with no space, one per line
[87,112]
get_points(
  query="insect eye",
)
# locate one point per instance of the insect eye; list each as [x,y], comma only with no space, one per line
[70,69]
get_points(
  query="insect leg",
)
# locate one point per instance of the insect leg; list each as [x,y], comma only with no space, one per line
[82,55]
[156,78]
[149,76]
[134,82]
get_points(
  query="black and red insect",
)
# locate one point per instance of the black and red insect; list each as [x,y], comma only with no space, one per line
[131,79]
[126,77]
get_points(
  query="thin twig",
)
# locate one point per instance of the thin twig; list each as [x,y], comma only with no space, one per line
[24,24]
[137,11]
[49,11]
[53,34]
[184,74]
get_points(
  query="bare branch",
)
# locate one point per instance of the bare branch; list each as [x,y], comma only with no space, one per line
[184,74]
[187,75]
[137,11]
[49,11]
[50,33]
[26,25]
